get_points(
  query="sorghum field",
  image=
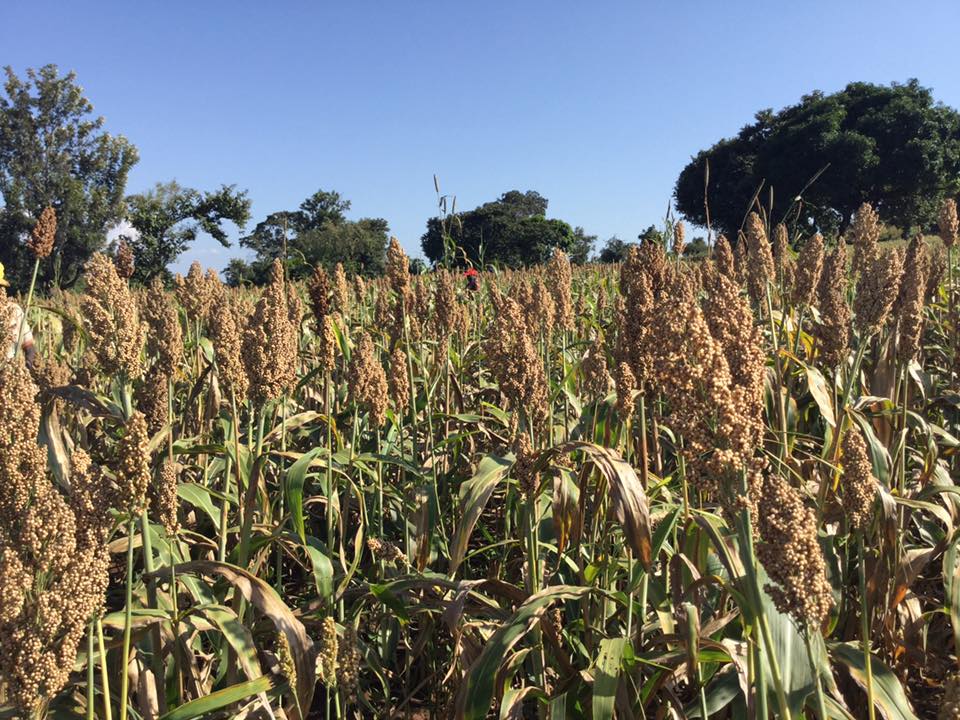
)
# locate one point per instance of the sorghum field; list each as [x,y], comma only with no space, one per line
[664,489]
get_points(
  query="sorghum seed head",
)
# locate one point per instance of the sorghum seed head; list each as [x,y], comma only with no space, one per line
[948,223]
[833,334]
[327,657]
[43,234]
[760,270]
[859,484]
[877,287]
[865,233]
[123,259]
[809,268]
[560,277]
[368,382]
[319,291]
[909,307]
[164,335]
[791,554]
[109,313]
[723,256]
[270,343]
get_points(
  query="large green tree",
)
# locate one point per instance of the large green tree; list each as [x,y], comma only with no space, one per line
[54,152]
[168,218]
[317,233]
[511,231]
[893,146]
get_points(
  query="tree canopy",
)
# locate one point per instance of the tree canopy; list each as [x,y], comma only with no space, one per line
[317,233]
[168,218]
[54,152]
[511,231]
[893,146]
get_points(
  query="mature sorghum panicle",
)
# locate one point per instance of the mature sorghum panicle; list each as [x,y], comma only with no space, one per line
[123,259]
[110,316]
[859,484]
[514,360]
[227,337]
[865,233]
[732,323]
[581,312]
[319,292]
[716,417]
[791,555]
[359,288]
[653,260]
[633,316]
[741,259]
[43,234]
[461,322]
[133,465]
[348,664]
[601,308]
[163,497]
[948,223]
[595,375]
[522,292]
[49,373]
[760,269]
[288,668]
[542,315]
[877,288]
[294,308]
[383,309]
[194,292]
[560,279]
[398,268]
[525,463]
[783,262]
[340,290]
[367,380]
[833,335]
[909,307]
[723,257]
[809,269]
[270,343]
[679,238]
[52,552]
[327,657]
[386,551]
[398,381]
[152,397]
[937,264]
[444,307]
[626,386]
[326,344]
[164,335]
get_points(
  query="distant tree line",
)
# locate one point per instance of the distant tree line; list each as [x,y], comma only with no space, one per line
[818,160]
[892,145]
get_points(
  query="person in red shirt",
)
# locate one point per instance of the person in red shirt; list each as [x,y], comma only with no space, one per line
[473,279]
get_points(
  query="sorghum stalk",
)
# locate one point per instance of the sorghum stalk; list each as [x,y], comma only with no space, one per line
[865,625]
[127,623]
[104,675]
[90,670]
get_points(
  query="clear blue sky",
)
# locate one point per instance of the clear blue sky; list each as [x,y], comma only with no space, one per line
[596,105]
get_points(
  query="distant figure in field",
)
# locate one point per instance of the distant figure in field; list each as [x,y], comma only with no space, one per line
[14,329]
[473,279]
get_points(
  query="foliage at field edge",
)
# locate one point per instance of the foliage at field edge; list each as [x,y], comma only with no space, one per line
[662,488]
